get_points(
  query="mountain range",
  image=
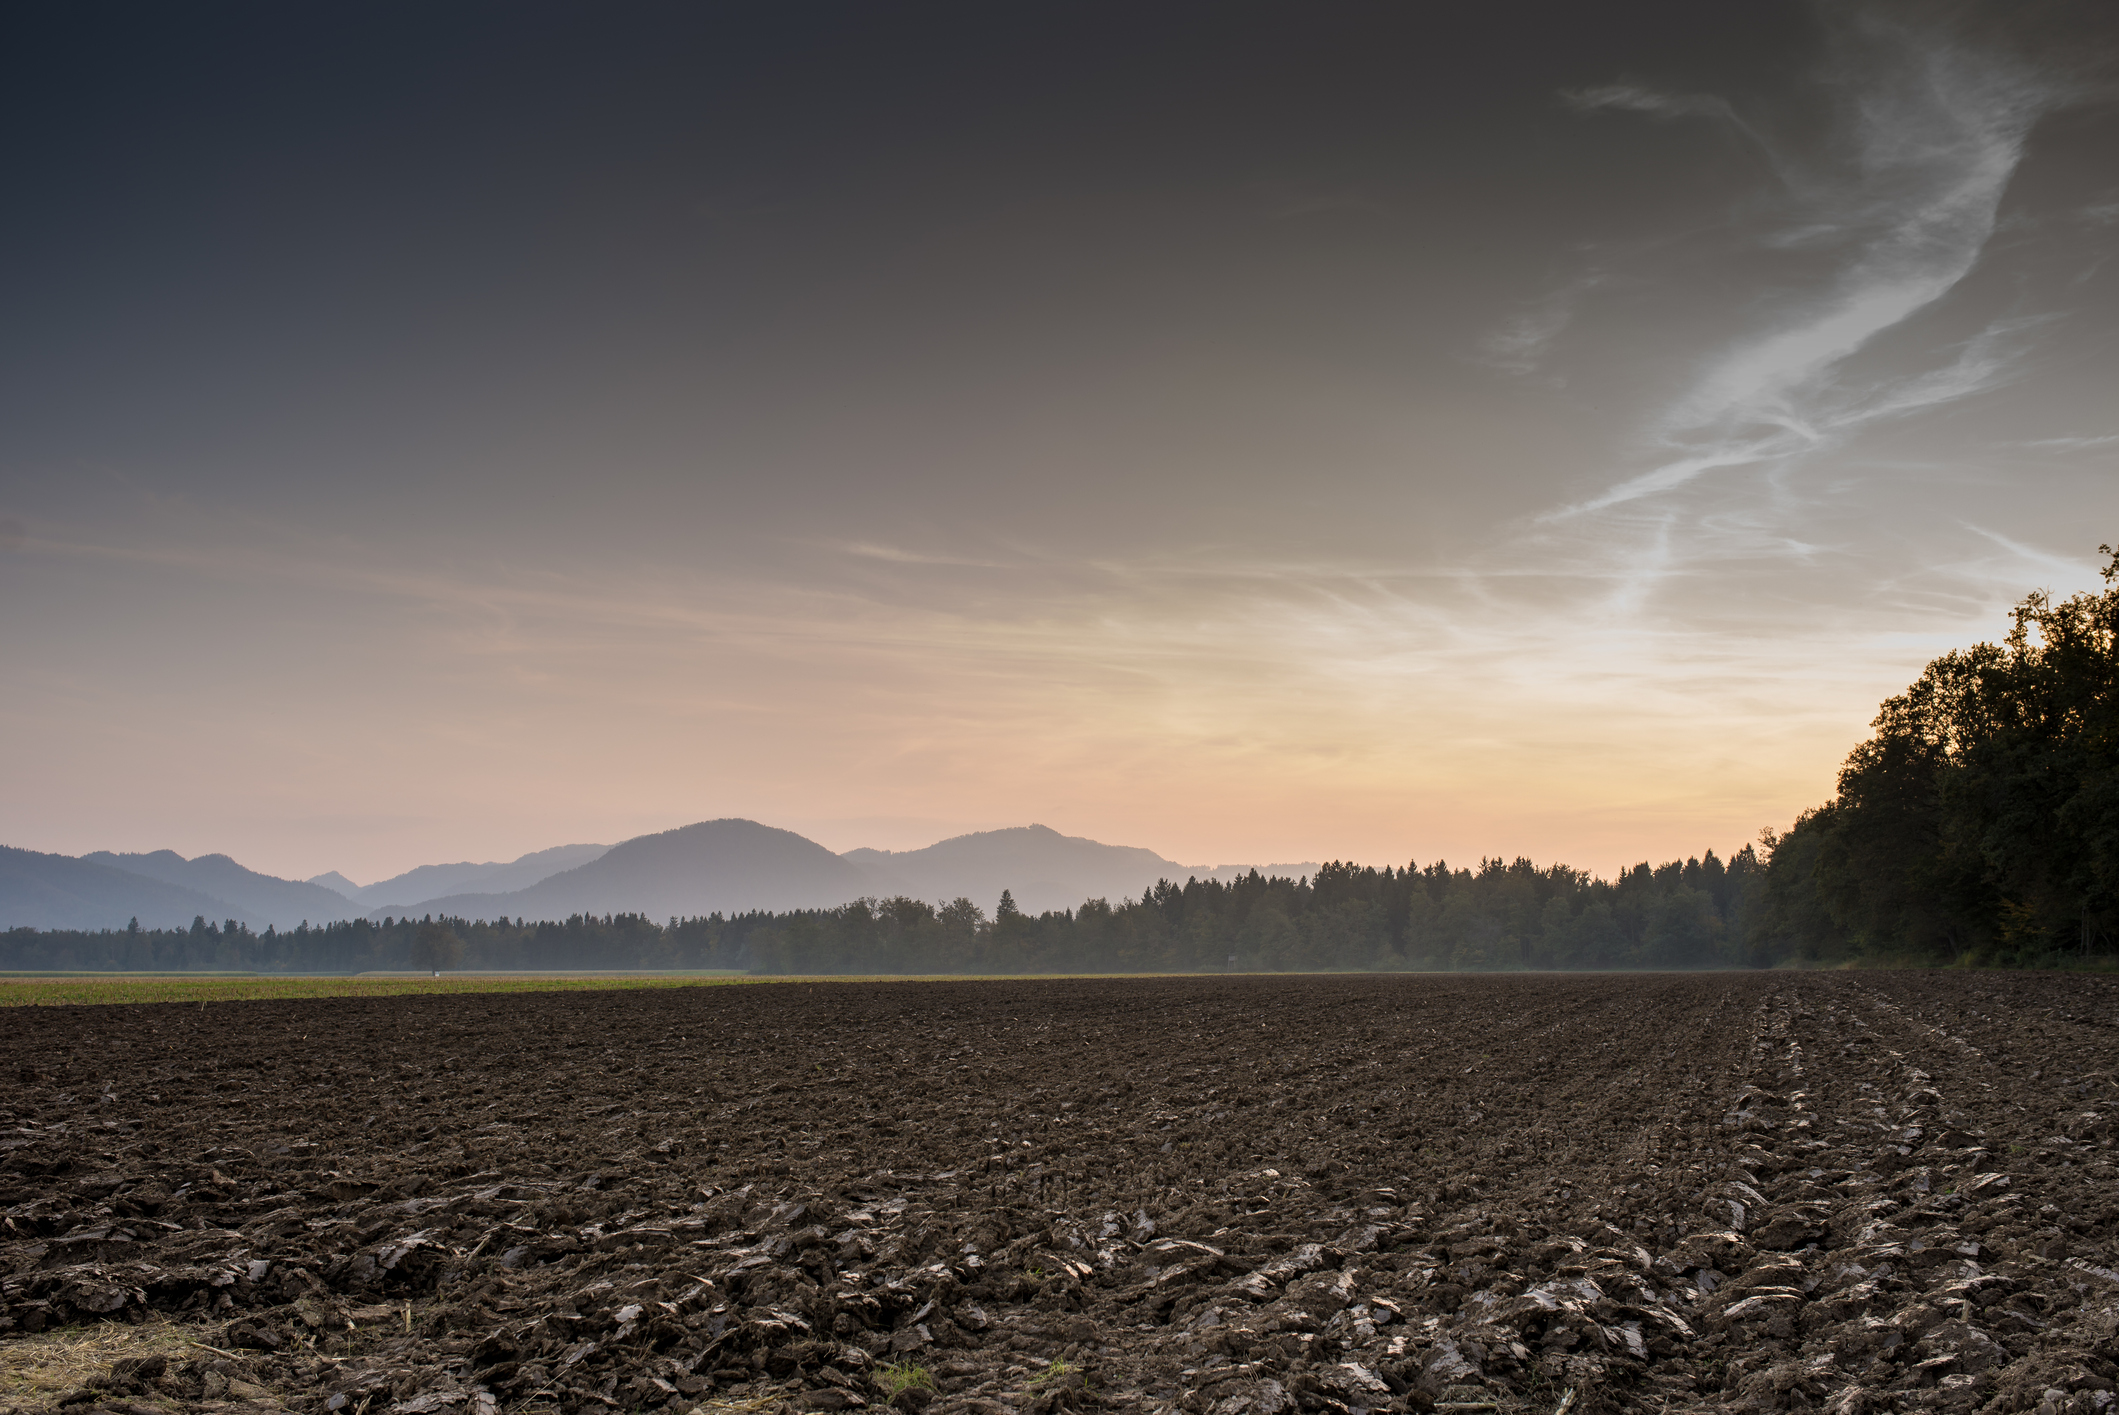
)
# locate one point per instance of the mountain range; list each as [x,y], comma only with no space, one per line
[725,866]
[60,892]
[246,894]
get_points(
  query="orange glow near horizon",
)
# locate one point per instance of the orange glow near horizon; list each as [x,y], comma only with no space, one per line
[1312,717]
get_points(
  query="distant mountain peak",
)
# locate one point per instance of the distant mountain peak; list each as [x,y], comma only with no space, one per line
[1004,836]
[335,882]
[728,866]
[1040,867]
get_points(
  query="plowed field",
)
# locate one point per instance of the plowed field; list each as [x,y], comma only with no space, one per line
[1859,1192]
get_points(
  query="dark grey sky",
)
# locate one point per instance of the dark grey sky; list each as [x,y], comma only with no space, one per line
[347,257]
[1281,430]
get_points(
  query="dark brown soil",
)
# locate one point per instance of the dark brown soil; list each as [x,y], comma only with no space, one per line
[1859,1192]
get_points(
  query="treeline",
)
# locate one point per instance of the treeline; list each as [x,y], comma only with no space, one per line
[1981,823]
[355,946]
[1502,915]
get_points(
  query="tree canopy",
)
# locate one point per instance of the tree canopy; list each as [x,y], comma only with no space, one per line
[1981,821]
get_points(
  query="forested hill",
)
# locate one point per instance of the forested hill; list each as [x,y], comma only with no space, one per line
[1502,915]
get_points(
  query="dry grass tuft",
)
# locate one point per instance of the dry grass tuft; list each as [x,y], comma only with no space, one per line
[732,1405]
[37,1369]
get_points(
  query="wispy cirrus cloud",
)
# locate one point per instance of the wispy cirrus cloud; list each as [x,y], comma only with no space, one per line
[1522,344]
[1933,134]
[2073,444]
[897,555]
[1631,98]
[1628,98]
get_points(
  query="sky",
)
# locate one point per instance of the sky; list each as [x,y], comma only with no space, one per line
[1255,432]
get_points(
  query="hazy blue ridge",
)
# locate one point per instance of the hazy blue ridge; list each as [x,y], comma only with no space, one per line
[62,892]
[283,903]
[493,877]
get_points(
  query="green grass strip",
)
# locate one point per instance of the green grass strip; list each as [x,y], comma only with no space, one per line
[126,989]
[123,990]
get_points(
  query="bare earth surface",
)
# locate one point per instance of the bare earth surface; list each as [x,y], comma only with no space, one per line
[1857,1192]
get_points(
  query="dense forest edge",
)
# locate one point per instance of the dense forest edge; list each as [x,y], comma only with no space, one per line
[1979,826]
